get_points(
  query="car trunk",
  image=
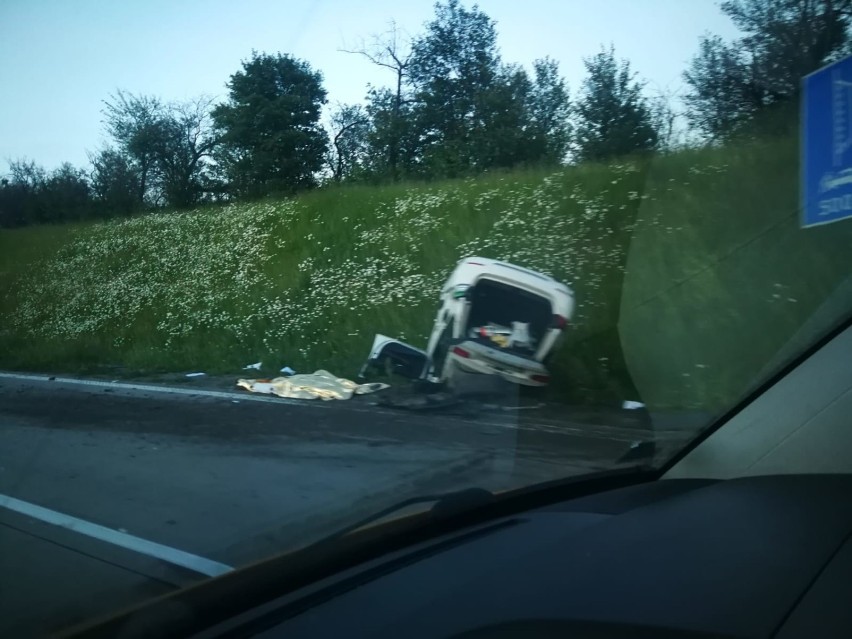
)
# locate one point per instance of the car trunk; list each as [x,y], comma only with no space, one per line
[495,306]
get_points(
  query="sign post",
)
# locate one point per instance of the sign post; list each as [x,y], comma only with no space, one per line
[826,150]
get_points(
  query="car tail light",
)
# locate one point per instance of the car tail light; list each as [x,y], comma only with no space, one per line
[541,379]
[458,350]
[559,322]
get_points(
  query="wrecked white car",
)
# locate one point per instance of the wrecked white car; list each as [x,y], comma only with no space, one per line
[494,318]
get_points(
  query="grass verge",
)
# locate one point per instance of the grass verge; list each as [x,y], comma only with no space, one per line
[703,236]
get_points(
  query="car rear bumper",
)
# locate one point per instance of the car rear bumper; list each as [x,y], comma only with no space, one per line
[490,361]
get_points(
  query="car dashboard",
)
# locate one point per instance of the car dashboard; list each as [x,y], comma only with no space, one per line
[752,557]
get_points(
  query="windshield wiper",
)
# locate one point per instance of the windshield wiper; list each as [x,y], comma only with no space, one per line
[446,505]
[224,597]
[461,507]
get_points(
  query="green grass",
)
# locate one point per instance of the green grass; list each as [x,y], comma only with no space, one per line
[308,282]
[707,307]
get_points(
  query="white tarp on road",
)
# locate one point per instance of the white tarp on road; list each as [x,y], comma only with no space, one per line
[318,385]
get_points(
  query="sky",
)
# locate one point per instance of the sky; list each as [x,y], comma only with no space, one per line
[59,59]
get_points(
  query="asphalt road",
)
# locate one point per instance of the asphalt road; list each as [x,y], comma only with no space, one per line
[229,480]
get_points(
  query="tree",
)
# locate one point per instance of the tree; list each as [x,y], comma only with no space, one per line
[114,182]
[782,41]
[391,51]
[505,137]
[724,90]
[455,108]
[453,68]
[165,144]
[28,182]
[67,194]
[523,121]
[549,111]
[135,124]
[270,133]
[667,122]
[349,128]
[613,118]
[19,199]
[27,174]
[31,195]
[186,139]
[787,39]
[394,141]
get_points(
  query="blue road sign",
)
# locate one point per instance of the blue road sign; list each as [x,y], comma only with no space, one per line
[827,144]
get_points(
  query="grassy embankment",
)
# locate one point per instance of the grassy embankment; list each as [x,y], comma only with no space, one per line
[307,282]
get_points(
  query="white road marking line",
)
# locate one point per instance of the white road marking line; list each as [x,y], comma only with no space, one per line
[150,388]
[253,397]
[170,390]
[137,544]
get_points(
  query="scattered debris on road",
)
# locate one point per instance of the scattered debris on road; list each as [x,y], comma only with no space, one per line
[423,402]
[451,403]
[196,374]
[255,366]
[288,371]
[319,385]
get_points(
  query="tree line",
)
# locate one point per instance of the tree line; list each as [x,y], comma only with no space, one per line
[452,107]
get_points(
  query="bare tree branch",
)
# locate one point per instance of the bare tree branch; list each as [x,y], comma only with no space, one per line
[391,50]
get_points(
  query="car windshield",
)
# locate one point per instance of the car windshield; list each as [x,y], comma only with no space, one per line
[267,268]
